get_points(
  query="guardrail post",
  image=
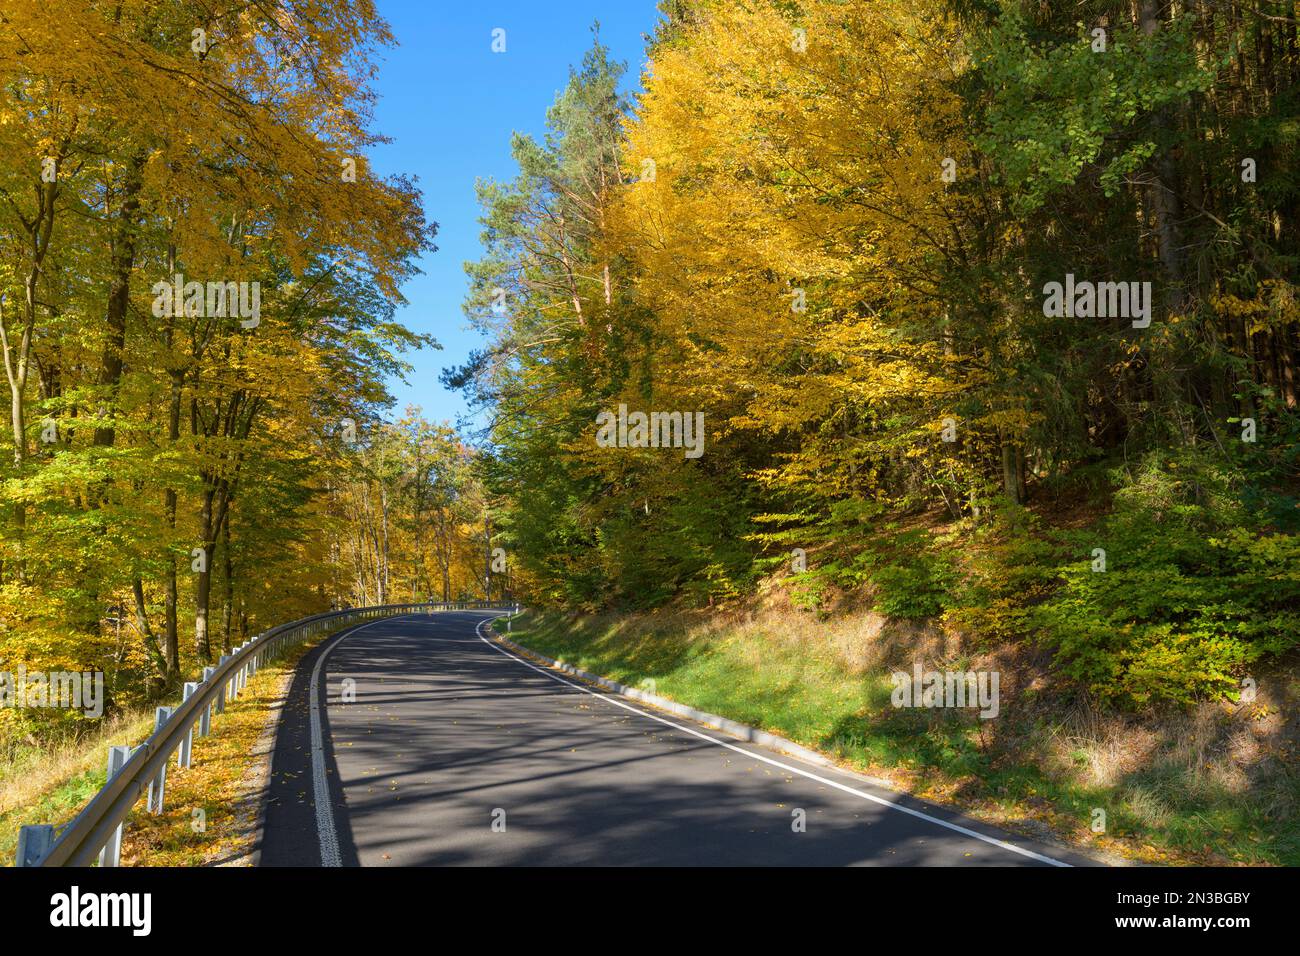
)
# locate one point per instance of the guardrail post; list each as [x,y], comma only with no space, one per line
[33,843]
[111,854]
[221,694]
[159,783]
[234,678]
[187,745]
[205,719]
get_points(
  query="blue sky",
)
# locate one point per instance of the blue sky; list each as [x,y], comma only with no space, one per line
[450,105]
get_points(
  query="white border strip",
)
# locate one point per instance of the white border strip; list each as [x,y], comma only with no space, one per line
[325,830]
[776,763]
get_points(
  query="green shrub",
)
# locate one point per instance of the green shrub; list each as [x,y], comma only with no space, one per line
[1003,578]
[1186,604]
[912,576]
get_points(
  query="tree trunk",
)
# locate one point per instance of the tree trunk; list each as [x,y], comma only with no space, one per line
[150,641]
[216,502]
[1010,472]
[227,610]
[119,293]
[1162,193]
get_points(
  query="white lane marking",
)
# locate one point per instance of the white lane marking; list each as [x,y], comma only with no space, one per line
[325,831]
[776,763]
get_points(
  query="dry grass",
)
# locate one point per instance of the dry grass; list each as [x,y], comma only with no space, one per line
[26,775]
[1164,764]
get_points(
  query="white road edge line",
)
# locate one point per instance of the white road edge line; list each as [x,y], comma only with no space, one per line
[325,831]
[776,763]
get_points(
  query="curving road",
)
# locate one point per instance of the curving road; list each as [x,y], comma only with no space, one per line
[455,751]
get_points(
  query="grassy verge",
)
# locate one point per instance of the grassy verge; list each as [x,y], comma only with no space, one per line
[53,784]
[209,813]
[1167,796]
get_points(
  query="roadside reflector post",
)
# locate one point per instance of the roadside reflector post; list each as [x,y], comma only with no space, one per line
[111,854]
[159,783]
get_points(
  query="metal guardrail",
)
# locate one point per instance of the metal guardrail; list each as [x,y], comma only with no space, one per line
[96,832]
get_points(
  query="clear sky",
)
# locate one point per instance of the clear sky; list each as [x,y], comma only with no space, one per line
[450,105]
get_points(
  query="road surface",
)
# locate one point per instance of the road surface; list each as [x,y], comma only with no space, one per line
[438,747]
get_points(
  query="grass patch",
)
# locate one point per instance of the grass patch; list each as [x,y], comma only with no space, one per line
[53,783]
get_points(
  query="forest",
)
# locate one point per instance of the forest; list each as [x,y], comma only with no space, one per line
[989,310]
[181,471]
[833,338]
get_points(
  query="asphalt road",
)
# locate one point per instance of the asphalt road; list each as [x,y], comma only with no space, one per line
[455,752]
